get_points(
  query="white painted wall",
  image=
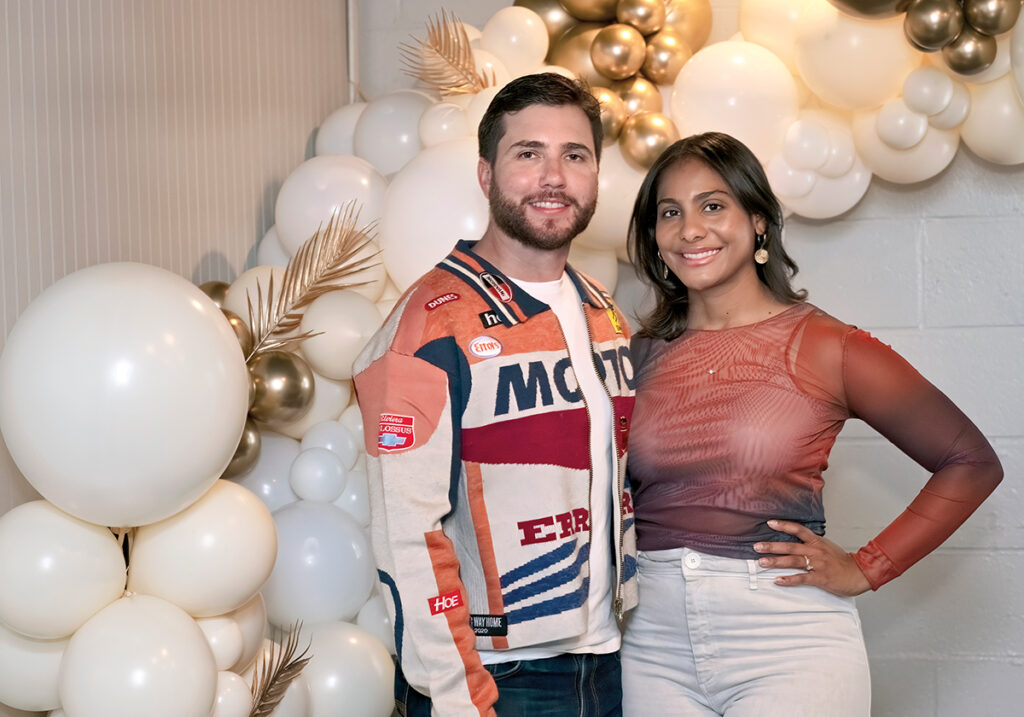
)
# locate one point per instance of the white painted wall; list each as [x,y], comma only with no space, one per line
[934,269]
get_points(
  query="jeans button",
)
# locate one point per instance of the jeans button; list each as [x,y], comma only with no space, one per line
[692,560]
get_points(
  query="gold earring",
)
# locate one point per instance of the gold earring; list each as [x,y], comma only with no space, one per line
[761,255]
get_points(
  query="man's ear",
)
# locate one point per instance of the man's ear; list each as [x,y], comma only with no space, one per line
[483,176]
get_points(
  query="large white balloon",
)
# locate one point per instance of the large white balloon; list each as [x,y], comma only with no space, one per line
[738,88]
[443,122]
[268,479]
[518,37]
[617,185]
[345,322]
[849,62]
[123,393]
[56,570]
[994,128]
[28,670]
[351,672]
[211,557]
[335,133]
[923,160]
[773,24]
[320,186]
[387,134]
[324,568]
[138,656]
[1017,57]
[420,227]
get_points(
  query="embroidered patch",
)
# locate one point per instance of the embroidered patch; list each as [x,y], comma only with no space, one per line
[489,319]
[485,347]
[489,625]
[497,286]
[443,299]
[444,603]
[395,432]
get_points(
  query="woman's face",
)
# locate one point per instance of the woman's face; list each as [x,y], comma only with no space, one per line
[704,234]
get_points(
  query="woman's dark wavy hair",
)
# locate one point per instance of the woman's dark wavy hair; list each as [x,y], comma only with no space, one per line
[742,172]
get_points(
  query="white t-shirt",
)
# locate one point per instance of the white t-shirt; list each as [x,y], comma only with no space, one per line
[602,635]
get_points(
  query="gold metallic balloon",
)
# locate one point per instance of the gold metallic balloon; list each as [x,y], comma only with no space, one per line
[691,19]
[613,113]
[930,25]
[666,54]
[639,95]
[992,17]
[247,453]
[591,10]
[618,51]
[241,330]
[647,16]
[971,52]
[216,290]
[284,387]
[555,17]
[645,136]
[874,9]
[572,51]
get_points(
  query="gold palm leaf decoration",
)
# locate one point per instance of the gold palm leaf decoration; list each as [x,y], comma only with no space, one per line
[320,265]
[445,60]
[275,671]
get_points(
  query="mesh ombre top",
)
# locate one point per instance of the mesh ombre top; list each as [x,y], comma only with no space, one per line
[734,427]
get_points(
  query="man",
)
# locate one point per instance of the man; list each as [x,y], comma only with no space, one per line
[500,393]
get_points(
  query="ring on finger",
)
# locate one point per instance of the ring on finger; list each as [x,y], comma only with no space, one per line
[807,563]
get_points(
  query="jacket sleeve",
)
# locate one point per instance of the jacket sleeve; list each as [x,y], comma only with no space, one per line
[887,393]
[414,467]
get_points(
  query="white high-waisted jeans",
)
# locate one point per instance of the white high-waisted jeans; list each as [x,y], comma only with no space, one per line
[716,636]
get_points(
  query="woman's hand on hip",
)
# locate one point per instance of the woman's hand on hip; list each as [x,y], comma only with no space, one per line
[821,562]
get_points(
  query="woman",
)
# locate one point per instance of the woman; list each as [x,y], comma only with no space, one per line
[745,607]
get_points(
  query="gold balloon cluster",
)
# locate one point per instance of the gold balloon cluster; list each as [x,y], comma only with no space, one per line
[624,49]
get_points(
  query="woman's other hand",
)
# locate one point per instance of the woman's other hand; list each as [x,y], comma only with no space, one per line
[821,562]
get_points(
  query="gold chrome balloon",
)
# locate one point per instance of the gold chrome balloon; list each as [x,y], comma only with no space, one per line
[618,51]
[556,19]
[284,387]
[591,10]
[247,453]
[666,54]
[639,95]
[930,25]
[645,136]
[241,330]
[647,16]
[971,52]
[572,51]
[691,19]
[872,9]
[216,290]
[992,17]
[613,113]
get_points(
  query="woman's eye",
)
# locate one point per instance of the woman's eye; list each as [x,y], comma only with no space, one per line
[713,206]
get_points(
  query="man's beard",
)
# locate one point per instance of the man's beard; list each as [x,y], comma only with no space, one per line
[510,217]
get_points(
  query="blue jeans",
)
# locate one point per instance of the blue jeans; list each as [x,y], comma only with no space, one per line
[565,686]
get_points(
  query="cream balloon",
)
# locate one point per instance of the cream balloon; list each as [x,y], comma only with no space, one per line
[904,166]
[138,656]
[927,90]
[351,672]
[518,37]
[335,133]
[491,68]
[346,322]
[852,63]
[787,180]
[899,126]
[211,557]
[224,637]
[1017,57]
[806,145]
[994,128]
[234,698]
[249,286]
[420,228]
[555,17]
[153,394]
[443,122]
[387,133]
[954,114]
[268,479]
[270,251]
[29,670]
[352,419]
[296,701]
[738,88]
[57,571]
[251,620]
[329,399]
[477,107]
[617,185]
[773,25]
[326,184]
[599,264]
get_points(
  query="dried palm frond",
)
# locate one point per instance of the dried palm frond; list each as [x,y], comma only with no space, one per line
[445,59]
[276,669]
[320,265]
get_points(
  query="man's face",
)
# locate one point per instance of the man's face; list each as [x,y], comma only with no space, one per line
[542,187]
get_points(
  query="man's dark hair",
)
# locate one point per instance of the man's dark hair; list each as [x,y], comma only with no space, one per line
[546,88]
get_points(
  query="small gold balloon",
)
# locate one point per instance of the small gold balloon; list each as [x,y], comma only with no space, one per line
[216,290]
[647,16]
[591,10]
[992,17]
[667,52]
[639,95]
[555,18]
[247,453]
[645,136]
[691,19]
[572,51]
[971,52]
[284,387]
[613,113]
[618,51]
[930,25]
[241,330]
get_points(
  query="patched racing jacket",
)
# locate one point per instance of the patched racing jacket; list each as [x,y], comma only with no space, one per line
[479,466]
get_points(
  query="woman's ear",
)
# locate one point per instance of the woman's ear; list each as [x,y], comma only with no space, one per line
[760,224]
